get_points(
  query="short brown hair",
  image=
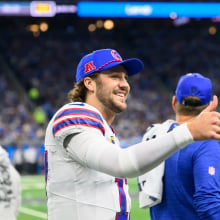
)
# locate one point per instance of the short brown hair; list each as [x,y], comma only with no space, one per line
[191,107]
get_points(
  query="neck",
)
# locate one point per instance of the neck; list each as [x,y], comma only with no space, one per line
[106,113]
[183,118]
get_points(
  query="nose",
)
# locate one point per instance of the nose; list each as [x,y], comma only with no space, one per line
[124,83]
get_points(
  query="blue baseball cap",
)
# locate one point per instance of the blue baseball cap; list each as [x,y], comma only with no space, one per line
[104,59]
[194,84]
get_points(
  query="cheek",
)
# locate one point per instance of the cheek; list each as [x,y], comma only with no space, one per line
[103,90]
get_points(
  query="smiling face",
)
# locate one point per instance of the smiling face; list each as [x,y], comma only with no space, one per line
[108,91]
[112,89]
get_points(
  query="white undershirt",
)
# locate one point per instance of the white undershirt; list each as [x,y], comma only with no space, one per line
[92,150]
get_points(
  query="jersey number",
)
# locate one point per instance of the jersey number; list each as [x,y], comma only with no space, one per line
[122,215]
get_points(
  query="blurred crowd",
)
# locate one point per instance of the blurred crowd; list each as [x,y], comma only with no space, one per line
[37,73]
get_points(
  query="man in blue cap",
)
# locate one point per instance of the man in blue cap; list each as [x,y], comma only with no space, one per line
[86,169]
[191,181]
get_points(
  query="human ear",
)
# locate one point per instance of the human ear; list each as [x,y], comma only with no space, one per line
[89,84]
[174,103]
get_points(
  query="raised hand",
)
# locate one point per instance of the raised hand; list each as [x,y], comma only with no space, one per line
[207,124]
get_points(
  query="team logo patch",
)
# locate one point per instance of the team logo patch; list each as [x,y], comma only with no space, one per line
[212,171]
[116,55]
[112,140]
[89,67]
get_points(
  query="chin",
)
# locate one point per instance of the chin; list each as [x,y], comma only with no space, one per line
[118,107]
[122,108]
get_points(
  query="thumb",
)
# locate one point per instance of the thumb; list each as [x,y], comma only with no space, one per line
[212,105]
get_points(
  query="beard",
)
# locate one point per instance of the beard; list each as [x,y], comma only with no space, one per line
[108,100]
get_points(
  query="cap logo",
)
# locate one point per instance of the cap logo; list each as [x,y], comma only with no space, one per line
[193,90]
[89,67]
[105,59]
[116,55]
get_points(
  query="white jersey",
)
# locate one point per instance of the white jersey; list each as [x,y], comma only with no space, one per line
[10,188]
[75,191]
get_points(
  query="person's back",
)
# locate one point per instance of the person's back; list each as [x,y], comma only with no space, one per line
[191,185]
[189,181]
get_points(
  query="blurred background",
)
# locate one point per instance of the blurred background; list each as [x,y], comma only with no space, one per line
[41,43]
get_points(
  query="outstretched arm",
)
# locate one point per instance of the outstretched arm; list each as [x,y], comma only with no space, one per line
[92,150]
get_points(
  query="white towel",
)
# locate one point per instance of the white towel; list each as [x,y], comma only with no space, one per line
[151,183]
